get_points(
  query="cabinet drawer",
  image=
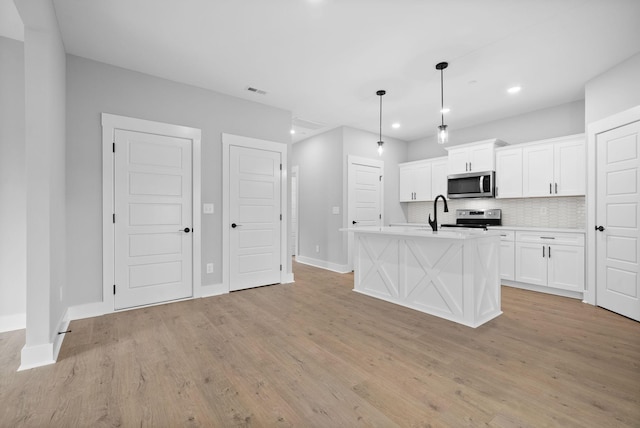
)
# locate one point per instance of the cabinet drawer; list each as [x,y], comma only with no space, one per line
[507,235]
[551,238]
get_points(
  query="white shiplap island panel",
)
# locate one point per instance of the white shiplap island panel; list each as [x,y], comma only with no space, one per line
[449,274]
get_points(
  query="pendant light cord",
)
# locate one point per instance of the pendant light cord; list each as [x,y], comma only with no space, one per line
[442,96]
[380,118]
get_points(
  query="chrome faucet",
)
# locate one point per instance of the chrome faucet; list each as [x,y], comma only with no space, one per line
[434,223]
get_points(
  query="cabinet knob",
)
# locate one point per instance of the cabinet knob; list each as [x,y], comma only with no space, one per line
[354,222]
[600,228]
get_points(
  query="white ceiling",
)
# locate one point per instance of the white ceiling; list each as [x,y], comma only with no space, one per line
[325,59]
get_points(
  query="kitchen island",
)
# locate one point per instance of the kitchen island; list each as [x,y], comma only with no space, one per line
[450,274]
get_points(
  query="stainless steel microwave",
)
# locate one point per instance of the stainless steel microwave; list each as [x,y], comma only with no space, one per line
[471,185]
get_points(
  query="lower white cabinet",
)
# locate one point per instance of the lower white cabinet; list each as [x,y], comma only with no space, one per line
[550,259]
[507,255]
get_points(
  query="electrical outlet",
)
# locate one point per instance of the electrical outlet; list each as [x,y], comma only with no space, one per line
[317,248]
[207,208]
[61,293]
[209,267]
[543,210]
[336,210]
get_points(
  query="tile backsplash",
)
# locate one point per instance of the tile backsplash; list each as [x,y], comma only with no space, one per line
[563,212]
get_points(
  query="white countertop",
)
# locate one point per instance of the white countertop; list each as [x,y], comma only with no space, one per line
[425,232]
[523,228]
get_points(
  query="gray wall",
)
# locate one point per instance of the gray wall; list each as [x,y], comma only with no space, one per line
[93,88]
[323,172]
[13,208]
[613,91]
[565,119]
[320,187]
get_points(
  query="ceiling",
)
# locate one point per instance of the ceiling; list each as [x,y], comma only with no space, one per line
[324,60]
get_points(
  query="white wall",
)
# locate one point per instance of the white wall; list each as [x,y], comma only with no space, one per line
[93,88]
[13,208]
[613,91]
[565,119]
[322,181]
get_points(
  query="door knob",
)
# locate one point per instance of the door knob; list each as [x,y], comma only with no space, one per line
[235,225]
[600,228]
[186,230]
[354,222]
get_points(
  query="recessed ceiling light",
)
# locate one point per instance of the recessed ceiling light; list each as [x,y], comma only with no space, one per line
[293,131]
[445,110]
[514,89]
[395,125]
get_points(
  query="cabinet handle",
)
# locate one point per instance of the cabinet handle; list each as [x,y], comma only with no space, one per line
[556,188]
[550,192]
[547,237]
[496,192]
[549,252]
[543,251]
[469,166]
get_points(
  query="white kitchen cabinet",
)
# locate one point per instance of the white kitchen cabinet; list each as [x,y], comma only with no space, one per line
[555,168]
[550,259]
[415,181]
[423,180]
[509,172]
[439,177]
[507,255]
[473,157]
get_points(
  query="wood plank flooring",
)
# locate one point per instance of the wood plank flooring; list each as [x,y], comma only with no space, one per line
[316,354]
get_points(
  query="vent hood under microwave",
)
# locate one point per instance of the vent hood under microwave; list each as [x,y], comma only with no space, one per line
[471,185]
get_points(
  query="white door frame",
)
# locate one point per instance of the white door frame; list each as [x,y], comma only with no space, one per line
[295,170]
[351,159]
[110,123]
[593,129]
[229,140]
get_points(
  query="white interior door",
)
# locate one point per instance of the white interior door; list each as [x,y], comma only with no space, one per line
[153,218]
[255,217]
[365,196]
[618,212]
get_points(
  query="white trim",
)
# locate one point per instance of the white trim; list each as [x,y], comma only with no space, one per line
[13,322]
[36,356]
[214,290]
[323,264]
[88,310]
[110,123]
[542,289]
[351,159]
[295,171]
[593,129]
[63,325]
[254,143]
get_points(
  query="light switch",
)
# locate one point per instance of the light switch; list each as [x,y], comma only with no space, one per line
[207,208]
[336,210]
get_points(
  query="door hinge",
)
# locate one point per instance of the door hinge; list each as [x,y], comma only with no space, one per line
[280,217]
[280,268]
[114,218]
[114,147]
[380,178]
[280,167]
[380,216]
[114,289]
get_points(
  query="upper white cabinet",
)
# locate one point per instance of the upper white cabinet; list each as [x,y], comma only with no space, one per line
[473,157]
[509,172]
[554,168]
[423,180]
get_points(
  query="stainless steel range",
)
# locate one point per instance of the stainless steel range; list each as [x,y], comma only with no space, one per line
[477,219]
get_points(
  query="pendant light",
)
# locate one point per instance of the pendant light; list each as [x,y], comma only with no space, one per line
[380,93]
[443,133]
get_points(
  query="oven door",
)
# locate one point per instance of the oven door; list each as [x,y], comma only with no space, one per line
[471,185]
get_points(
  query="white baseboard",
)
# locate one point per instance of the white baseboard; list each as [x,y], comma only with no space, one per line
[36,356]
[13,322]
[334,267]
[288,278]
[213,290]
[87,310]
[63,325]
[541,289]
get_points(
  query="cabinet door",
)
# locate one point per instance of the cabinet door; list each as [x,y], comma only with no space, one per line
[406,184]
[509,173]
[507,260]
[481,158]
[566,267]
[531,263]
[458,161]
[422,182]
[569,168]
[439,178]
[537,170]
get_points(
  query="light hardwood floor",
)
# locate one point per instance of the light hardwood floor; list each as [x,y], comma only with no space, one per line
[314,353]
